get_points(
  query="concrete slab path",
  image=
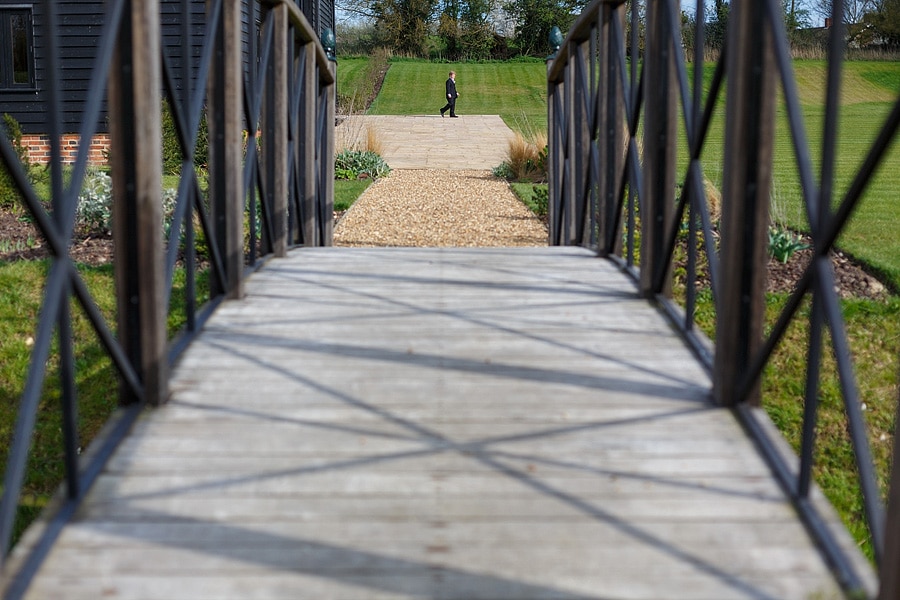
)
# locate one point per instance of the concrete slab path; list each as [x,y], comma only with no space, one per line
[431,141]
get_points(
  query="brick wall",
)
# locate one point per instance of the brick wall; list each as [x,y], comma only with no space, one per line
[38,146]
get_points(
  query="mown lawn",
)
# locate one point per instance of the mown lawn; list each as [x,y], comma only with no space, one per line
[868,90]
[21,285]
[517,91]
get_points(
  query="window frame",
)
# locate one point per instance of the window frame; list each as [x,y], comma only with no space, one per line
[7,51]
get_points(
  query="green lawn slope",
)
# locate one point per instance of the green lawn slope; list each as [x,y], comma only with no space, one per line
[868,91]
[517,91]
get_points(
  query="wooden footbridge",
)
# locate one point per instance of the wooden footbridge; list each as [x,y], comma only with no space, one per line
[440,422]
[437,423]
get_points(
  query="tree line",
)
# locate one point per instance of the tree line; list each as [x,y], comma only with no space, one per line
[501,29]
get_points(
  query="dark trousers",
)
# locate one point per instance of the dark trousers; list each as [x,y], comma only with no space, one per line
[451,106]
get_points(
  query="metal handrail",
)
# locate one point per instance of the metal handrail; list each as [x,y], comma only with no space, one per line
[293,83]
[606,192]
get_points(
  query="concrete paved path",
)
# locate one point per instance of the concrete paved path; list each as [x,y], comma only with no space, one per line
[430,141]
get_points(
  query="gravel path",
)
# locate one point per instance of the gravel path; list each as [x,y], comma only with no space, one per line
[431,207]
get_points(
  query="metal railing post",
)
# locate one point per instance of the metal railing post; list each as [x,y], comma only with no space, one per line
[136,160]
[569,188]
[659,149]
[749,128]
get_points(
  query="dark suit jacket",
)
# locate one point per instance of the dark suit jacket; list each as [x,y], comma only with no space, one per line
[451,88]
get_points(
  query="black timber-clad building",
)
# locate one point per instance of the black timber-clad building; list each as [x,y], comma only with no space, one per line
[25,51]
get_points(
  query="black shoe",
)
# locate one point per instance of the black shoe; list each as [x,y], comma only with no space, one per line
[454,116]
[442,114]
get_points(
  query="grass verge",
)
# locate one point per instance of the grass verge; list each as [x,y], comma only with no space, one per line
[21,295]
[348,191]
[532,195]
[873,330]
[21,285]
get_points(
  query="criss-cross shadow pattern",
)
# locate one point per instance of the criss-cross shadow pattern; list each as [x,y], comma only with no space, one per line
[631,113]
[438,423]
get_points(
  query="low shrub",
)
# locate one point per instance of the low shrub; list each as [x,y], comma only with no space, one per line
[94,210]
[352,164]
[9,193]
[95,204]
[541,198]
[172,155]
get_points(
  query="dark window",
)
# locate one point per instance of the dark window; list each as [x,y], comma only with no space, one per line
[17,51]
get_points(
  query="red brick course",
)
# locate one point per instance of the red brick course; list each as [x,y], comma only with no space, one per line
[38,146]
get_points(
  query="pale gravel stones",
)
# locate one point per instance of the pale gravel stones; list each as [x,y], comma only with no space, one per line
[429,207]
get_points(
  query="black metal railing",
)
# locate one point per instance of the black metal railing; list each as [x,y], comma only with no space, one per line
[265,85]
[618,110]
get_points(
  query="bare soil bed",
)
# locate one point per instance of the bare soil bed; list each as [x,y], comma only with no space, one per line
[19,240]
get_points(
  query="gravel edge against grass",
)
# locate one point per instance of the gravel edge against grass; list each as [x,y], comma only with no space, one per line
[431,207]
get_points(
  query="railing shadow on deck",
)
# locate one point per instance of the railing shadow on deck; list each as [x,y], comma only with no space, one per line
[611,193]
[265,84]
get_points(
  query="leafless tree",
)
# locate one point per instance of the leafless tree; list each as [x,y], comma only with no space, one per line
[853,10]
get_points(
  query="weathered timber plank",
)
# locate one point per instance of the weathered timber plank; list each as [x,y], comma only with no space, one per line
[437,423]
[432,583]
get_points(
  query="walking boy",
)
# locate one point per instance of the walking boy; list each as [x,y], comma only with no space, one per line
[451,96]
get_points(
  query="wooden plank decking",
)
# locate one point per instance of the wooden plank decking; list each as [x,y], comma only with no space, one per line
[437,423]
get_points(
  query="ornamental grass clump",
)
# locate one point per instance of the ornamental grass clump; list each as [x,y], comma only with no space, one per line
[526,160]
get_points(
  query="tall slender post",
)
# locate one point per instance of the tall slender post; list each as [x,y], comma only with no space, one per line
[569,189]
[225,150]
[327,151]
[611,132]
[554,172]
[276,160]
[659,148]
[745,197]
[136,159]
[581,138]
[307,144]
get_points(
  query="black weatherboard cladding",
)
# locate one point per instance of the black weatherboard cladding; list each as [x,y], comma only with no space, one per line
[81,23]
